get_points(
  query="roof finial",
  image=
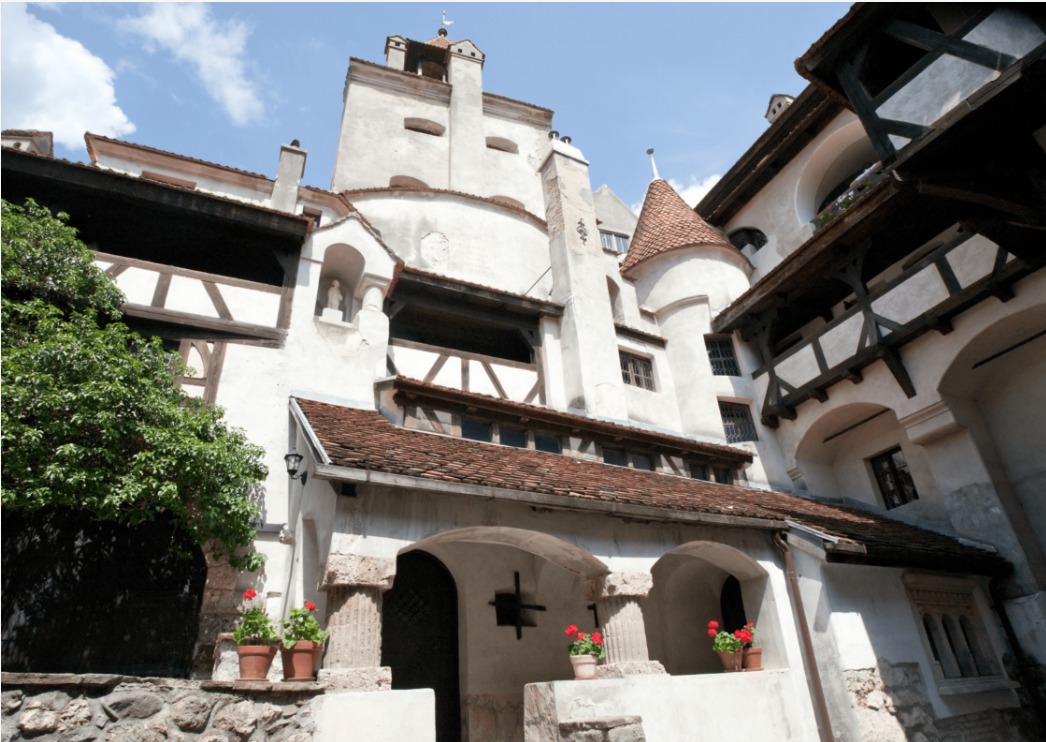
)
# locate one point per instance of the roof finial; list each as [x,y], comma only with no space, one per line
[653,164]
[443,24]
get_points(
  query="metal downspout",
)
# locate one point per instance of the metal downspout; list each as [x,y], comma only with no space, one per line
[1035,691]
[824,721]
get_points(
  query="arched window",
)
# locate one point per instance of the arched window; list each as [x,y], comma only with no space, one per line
[742,238]
[731,606]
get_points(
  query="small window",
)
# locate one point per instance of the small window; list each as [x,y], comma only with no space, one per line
[476,430]
[721,355]
[614,457]
[512,437]
[742,238]
[699,470]
[723,475]
[613,241]
[637,371]
[424,126]
[642,461]
[894,479]
[547,443]
[502,145]
[737,422]
[405,181]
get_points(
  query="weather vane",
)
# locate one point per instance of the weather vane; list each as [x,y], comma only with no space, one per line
[444,23]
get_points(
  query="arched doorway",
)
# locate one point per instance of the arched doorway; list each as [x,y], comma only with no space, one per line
[419,635]
[87,596]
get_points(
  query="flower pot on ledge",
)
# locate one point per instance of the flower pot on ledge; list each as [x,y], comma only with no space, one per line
[255,661]
[731,661]
[752,659]
[299,662]
[584,666]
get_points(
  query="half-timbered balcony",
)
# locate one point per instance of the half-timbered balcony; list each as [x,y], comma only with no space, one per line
[932,286]
[468,372]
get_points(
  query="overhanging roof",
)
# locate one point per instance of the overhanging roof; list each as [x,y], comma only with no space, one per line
[360,445]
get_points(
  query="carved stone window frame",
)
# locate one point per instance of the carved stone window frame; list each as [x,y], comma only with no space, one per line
[960,652]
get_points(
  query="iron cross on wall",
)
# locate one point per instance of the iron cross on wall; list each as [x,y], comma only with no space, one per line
[509,607]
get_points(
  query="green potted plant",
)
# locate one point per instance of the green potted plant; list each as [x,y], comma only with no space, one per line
[302,640]
[751,655]
[255,639]
[586,650]
[728,646]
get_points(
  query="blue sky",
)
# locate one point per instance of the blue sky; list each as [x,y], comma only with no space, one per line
[231,82]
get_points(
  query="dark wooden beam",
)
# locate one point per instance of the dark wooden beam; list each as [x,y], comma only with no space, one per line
[925,38]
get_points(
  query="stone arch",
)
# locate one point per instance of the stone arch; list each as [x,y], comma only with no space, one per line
[687,592]
[345,265]
[994,388]
[834,456]
[495,665]
[840,158]
[563,554]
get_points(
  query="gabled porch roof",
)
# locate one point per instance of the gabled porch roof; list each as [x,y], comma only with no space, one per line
[360,445]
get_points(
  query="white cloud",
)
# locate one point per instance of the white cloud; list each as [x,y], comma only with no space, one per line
[53,83]
[215,50]
[693,191]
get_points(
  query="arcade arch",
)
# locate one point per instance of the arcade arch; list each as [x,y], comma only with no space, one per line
[690,584]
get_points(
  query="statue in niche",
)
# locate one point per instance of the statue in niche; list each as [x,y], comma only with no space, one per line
[334,295]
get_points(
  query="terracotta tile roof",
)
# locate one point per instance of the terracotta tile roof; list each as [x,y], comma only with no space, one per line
[550,307]
[90,139]
[441,41]
[365,440]
[666,223]
[401,191]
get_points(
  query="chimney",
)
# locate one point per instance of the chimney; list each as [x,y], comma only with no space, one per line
[288,177]
[778,103]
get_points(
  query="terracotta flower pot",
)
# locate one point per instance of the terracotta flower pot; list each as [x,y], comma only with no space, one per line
[299,662]
[731,661]
[584,666]
[255,661]
[752,658]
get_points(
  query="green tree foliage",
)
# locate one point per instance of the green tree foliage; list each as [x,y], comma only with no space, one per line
[92,418]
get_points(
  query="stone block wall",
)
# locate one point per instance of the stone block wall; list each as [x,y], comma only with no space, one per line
[493,717]
[603,729]
[85,708]
[890,703]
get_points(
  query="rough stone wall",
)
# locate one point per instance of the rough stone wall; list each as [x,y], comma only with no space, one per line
[602,729]
[84,708]
[493,717]
[890,703]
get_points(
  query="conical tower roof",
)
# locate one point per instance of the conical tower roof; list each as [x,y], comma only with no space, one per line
[666,223]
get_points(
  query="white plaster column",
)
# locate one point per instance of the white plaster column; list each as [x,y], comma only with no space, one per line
[588,340]
[617,597]
[355,586]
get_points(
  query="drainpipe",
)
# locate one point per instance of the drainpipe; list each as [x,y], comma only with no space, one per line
[1038,701]
[824,721]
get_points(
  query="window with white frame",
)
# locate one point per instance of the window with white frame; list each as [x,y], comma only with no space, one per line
[637,371]
[613,241]
[737,422]
[721,355]
[963,660]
